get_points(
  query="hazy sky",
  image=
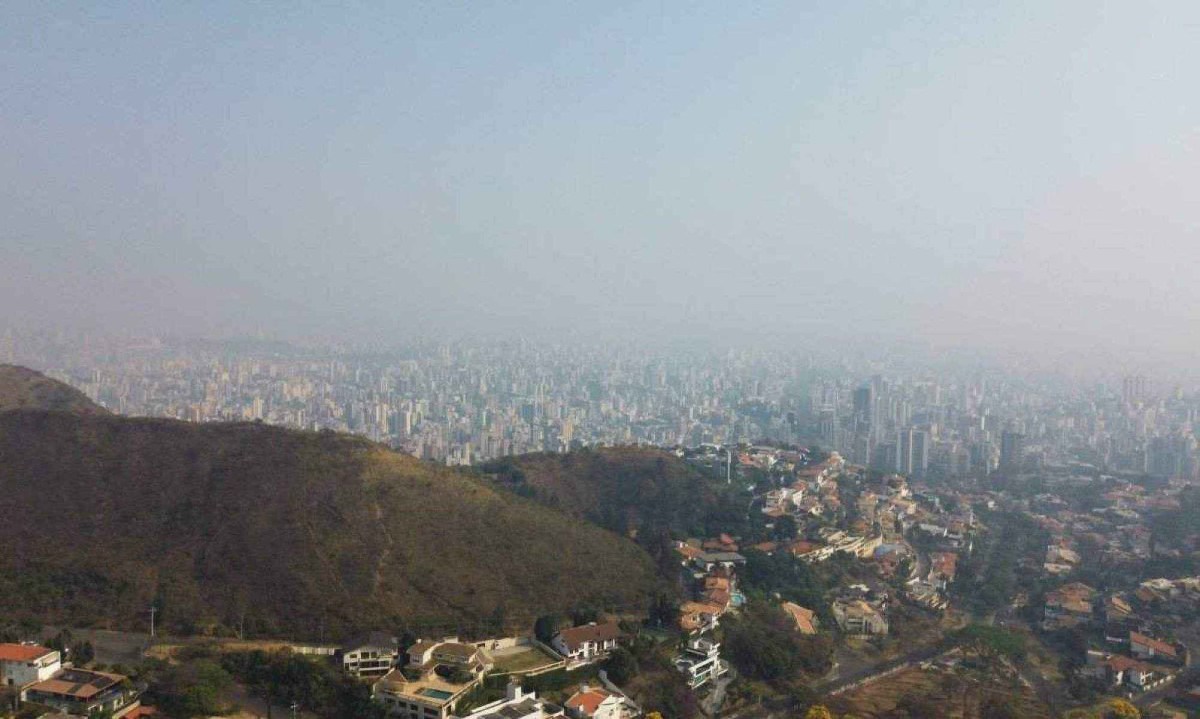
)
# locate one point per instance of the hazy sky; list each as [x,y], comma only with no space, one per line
[1022,174]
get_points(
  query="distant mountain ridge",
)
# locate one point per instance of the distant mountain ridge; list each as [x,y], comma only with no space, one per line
[279,532]
[23,388]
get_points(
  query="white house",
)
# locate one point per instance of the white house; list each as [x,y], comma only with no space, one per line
[517,704]
[856,616]
[24,664]
[596,703]
[587,643]
[370,655]
[700,662]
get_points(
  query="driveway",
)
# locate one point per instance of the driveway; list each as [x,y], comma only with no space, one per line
[712,703]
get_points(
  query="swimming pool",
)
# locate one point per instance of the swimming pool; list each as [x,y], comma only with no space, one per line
[435,693]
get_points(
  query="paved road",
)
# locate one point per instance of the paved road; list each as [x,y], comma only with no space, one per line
[879,670]
[110,647]
[712,703]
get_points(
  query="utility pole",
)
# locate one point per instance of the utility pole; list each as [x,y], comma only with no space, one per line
[153,609]
[728,466]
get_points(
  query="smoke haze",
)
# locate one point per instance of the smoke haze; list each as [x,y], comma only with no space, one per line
[1019,177]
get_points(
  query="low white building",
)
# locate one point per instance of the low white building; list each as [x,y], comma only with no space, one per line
[25,664]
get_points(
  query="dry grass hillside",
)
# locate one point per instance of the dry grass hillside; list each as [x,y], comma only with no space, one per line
[22,388]
[631,490]
[284,532]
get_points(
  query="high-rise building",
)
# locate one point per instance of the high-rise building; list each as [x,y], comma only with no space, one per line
[983,456]
[1012,448]
[829,426]
[913,451]
[885,457]
[863,401]
[860,452]
[866,411]
[1133,389]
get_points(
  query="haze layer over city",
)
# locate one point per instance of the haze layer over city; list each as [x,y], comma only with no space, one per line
[1009,179]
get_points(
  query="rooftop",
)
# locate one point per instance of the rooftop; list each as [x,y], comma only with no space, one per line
[22,652]
[576,636]
[380,640]
[587,700]
[78,684]
[802,617]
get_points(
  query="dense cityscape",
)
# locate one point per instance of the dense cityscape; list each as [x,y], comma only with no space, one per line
[462,404]
[845,535]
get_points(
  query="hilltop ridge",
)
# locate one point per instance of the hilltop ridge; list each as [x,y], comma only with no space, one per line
[23,388]
[277,531]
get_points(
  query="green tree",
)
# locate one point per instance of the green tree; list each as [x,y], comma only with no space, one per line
[621,666]
[546,627]
[664,610]
[83,653]
[993,641]
[762,645]
[785,529]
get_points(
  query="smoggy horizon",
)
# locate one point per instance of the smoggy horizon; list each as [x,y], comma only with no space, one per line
[1011,179]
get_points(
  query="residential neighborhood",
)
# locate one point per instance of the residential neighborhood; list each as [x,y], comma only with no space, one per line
[899,547]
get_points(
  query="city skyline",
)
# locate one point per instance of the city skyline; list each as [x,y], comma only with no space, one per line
[468,403]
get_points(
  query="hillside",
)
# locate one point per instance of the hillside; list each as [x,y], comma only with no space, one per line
[636,491]
[291,533]
[22,388]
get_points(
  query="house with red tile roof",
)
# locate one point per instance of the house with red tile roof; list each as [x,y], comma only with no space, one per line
[596,703]
[24,664]
[1145,647]
[1069,606]
[804,620]
[587,643]
[1118,670]
[699,617]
